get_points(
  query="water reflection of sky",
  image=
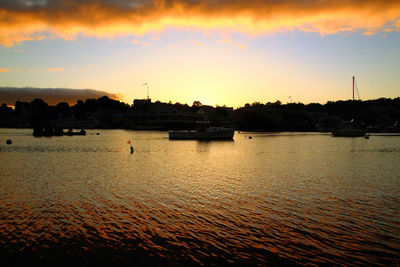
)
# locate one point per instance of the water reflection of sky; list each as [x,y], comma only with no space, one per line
[304,198]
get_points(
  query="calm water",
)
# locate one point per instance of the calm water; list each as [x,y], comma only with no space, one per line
[275,199]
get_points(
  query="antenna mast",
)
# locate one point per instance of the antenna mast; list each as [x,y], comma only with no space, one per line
[147,84]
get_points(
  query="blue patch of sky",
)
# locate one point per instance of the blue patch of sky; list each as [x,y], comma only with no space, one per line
[339,53]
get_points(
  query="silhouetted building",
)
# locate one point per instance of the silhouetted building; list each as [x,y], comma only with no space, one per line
[148,115]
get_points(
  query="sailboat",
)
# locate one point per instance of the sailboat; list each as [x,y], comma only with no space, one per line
[349,128]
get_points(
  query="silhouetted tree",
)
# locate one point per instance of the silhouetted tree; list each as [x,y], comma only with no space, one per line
[196,104]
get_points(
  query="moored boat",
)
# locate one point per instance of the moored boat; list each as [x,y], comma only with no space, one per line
[395,128]
[348,129]
[210,133]
[71,132]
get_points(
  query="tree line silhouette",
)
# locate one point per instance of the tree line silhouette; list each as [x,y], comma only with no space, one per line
[271,116]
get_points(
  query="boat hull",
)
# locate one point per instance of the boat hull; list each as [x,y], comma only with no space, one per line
[349,129]
[354,133]
[202,135]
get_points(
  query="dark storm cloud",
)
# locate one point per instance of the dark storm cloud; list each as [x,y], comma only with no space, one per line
[52,96]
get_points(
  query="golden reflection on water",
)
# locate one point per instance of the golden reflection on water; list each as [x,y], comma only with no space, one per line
[276,198]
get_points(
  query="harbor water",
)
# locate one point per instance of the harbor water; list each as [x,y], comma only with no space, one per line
[274,199]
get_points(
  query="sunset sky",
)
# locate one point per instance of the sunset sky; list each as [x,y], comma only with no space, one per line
[216,51]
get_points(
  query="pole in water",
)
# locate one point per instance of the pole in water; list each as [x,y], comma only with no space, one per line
[129,142]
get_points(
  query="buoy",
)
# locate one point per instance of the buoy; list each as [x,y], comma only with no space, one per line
[9,142]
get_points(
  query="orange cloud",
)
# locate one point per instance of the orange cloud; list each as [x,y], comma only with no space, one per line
[87,69]
[55,70]
[5,70]
[29,21]
[229,41]
[155,38]
[18,50]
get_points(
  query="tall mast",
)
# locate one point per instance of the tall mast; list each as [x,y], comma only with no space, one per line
[353,88]
[147,85]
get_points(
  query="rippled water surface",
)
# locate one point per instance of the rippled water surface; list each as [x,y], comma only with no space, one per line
[275,199]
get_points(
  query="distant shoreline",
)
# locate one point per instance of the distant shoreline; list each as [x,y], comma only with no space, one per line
[380,115]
